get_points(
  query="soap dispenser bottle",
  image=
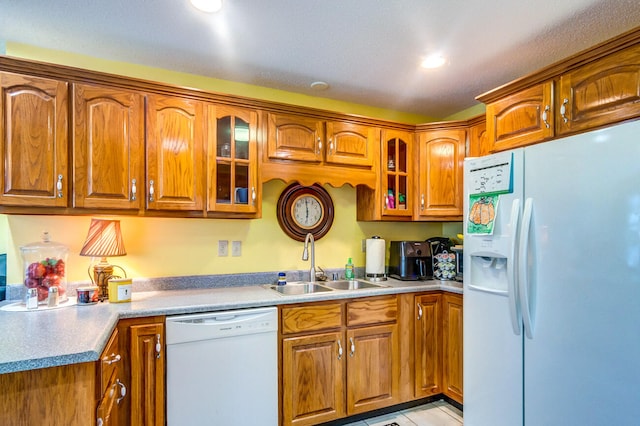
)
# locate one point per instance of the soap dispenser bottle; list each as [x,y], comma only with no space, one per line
[348,270]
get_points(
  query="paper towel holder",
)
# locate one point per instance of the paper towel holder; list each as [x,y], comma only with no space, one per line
[376,274]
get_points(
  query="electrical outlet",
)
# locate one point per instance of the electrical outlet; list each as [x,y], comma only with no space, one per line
[236,248]
[223,248]
[364,245]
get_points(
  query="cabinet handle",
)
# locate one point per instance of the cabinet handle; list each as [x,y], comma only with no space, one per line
[545,115]
[563,110]
[330,146]
[151,191]
[421,201]
[339,350]
[253,195]
[113,358]
[353,347]
[100,422]
[319,146]
[134,189]
[59,186]
[385,205]
[419,311]
[158,346]
[123,391]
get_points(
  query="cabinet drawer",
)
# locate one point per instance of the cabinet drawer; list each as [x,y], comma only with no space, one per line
[372,311]
[109,360]
[311,318]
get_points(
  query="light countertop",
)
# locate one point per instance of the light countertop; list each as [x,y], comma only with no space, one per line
[75,334]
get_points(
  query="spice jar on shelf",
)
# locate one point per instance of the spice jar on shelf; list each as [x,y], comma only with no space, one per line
[45,267]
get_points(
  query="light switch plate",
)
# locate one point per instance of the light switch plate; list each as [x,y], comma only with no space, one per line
[223,248]
[236,248]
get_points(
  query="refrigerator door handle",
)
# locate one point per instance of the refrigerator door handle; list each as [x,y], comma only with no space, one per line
[523,273]
[514,311]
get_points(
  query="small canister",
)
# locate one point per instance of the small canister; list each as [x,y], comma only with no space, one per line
[120,290]
[282,278]
[52,300]
[32,298]
[87,295]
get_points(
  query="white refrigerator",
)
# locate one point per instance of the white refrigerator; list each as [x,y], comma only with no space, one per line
[552,291]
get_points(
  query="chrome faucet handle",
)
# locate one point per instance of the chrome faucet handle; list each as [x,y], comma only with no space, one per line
[321,275]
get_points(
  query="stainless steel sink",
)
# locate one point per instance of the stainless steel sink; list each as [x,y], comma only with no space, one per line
[350,284]
[295,288]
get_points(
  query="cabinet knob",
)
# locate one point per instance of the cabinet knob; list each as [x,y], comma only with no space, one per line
[151,191]
[59,186]
[123,391]
[158,346]
[563,110]
[134,189]
[545,115]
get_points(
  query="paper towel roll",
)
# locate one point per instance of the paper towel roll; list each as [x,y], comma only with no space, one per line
[375,250]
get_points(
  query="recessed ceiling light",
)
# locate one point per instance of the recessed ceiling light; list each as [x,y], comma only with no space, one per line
[433,61]
[319,85]
[209,6]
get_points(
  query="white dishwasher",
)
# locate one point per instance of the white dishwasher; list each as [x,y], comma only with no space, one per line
[222,368]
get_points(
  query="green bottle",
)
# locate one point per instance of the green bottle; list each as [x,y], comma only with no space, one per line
[348,270]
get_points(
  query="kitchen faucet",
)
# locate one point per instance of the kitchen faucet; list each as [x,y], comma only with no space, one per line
[305,256]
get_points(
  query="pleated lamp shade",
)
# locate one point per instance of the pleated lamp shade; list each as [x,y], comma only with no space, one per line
[104,239]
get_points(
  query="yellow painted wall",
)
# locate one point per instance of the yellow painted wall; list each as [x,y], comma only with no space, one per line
[159,247]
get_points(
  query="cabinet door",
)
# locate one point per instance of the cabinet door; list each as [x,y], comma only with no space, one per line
[233,160]
[478,140]
[33,149]
[427,346]
[108,147]
[521,119]
[452,346]
[373,368]
[397,172]
[441,162]
[313,378]
[351,144]
[602,92]
[176,130]
[293,137]
[147,374]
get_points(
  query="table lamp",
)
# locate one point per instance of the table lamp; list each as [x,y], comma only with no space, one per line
[104,239]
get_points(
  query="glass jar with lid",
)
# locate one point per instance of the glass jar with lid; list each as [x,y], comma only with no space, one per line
[45,267]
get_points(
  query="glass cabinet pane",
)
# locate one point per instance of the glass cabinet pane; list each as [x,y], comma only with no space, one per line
[391,155]
[401,163]
[242,191]
[241,138]
[223,137]
[223,182]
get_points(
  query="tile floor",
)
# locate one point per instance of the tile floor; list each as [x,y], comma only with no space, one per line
[438,413]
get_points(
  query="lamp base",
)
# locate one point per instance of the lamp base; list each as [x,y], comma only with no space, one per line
[101,274]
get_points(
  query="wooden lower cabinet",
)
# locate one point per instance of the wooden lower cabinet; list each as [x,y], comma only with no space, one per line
[452,346]
[329,374]
[427,346]
[143,346]
[112,390]
[313,378]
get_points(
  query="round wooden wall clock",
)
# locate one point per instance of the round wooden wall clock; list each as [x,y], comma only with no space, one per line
[305,209]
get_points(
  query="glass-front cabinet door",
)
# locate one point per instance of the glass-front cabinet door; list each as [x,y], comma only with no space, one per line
[232,160]
[396,173]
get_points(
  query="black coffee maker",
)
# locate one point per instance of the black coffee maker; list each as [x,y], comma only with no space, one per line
[410,260]
[438,245]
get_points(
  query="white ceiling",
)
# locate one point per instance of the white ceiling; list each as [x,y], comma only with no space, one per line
[367,50]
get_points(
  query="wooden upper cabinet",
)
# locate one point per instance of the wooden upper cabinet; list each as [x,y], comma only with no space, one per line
[351,144]
[33,125]
[232,164]
[602,92]
[478,140]
[176,129]
[440,174]
[292,137]
[108,146]
[521,119]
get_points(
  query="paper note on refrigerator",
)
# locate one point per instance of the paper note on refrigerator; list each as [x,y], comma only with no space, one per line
[494,177]
[482,213]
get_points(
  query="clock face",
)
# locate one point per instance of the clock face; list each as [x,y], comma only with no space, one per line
[305,210]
